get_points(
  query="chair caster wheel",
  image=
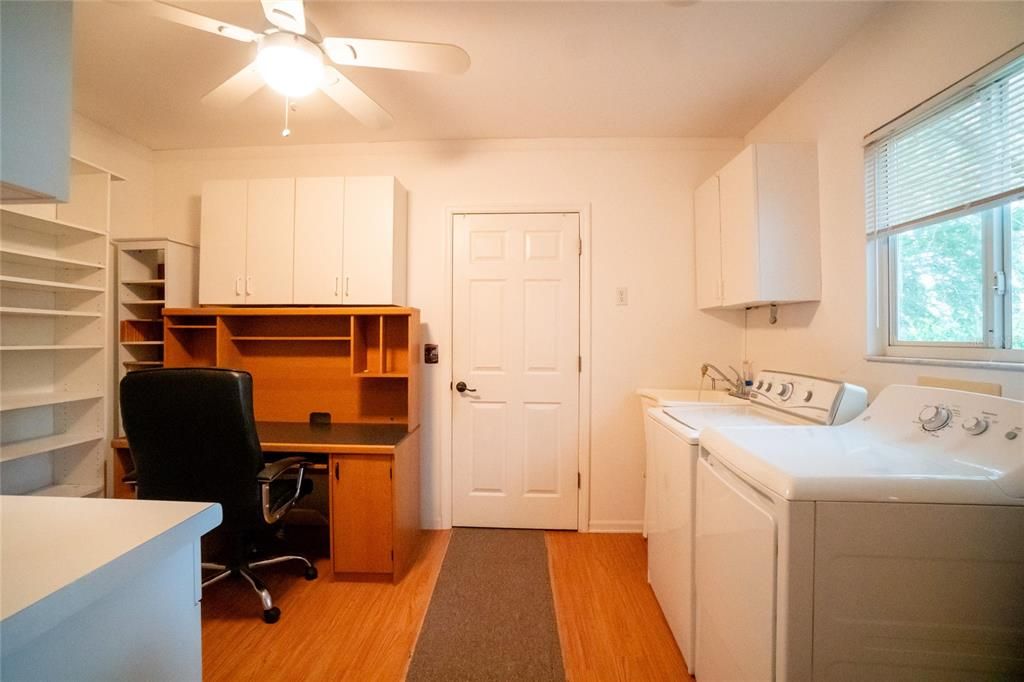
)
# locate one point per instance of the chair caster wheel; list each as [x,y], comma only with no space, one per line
[272,615]
[311,573]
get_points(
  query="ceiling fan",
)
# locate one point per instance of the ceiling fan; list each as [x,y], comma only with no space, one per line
[294,59]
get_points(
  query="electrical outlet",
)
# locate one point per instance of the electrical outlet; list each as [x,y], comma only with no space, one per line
[621,296]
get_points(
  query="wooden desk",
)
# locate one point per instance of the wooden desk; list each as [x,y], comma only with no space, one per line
[373,476]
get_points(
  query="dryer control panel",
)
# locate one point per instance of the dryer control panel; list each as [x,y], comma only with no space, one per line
[824,401]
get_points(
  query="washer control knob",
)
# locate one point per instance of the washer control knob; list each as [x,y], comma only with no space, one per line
[768,388]
[975,426]
[785,390]
[808,395]
[934,417]
[759,385]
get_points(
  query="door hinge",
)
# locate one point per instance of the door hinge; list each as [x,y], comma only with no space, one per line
[390,473]
[392,555]
[579,480]
[579,364]
[579,244]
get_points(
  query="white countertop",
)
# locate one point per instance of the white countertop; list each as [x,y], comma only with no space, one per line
[58,554]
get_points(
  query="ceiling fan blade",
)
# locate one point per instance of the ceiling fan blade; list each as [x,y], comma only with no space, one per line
[162,10]
[236,89]
[349,97]
[397,54]
[287,15]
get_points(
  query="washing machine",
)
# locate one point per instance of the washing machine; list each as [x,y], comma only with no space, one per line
[887,548]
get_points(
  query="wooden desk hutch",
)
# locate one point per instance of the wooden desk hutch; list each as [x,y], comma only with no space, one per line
[361,367]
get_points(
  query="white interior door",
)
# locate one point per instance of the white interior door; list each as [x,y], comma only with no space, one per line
[515,347]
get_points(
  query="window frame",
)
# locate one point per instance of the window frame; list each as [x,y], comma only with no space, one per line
[997,316]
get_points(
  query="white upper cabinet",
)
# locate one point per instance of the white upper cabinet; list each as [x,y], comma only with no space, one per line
[769,249]
[222,242]
[35,111]
[374,253]
[270,230]
[309,241]
[708,231]
[319,221]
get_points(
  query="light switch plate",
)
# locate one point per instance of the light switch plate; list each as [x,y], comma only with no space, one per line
[621,296]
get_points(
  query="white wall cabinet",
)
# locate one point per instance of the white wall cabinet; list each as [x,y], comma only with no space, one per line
[766,216]
[35,110]
[310,241]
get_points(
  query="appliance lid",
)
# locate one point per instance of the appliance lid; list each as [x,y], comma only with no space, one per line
[895,452]
[699,417]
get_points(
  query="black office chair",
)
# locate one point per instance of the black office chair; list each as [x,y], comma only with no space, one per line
[192,435]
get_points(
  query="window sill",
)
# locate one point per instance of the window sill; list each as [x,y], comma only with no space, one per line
[947,362]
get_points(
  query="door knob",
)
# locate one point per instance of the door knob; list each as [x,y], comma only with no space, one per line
[461,387]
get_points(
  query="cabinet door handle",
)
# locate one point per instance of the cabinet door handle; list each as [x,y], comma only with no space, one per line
[248,285]
[337,471]
[337,284]
[346,287]
[238,286]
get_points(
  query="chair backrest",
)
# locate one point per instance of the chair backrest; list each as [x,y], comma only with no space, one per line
[192,434]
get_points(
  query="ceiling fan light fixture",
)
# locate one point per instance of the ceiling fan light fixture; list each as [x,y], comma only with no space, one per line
[290,64]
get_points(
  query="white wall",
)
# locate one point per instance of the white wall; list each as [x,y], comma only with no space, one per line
[639,193]
[902,56]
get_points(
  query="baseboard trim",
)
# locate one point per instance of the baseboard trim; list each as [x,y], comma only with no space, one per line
[616,526]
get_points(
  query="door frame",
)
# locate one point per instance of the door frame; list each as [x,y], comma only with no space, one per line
[447,413]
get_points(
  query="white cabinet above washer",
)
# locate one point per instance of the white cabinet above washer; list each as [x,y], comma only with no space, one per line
[756,228]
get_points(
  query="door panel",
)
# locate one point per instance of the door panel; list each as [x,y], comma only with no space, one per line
[270,243]
[319,230]
[516,342]
[222,242]
[369,240]
[361,513]
[707,227]
[670,532]
[738,201]
[736,570]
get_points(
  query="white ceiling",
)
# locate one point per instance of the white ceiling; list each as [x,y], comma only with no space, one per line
[551,69]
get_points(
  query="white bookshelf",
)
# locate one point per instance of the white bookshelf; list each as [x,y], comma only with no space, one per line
[54,407]
[151,274]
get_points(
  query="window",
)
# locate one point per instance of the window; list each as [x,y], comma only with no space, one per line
[945,224]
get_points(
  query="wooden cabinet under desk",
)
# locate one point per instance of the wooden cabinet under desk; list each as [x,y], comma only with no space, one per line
[358,365]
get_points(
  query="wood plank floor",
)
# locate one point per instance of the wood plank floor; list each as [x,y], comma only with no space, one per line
[329,630]
[610,625]
[609,621]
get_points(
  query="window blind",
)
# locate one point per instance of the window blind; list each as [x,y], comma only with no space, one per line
[963,155]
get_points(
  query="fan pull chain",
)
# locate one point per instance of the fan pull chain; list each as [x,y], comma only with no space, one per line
[287,131]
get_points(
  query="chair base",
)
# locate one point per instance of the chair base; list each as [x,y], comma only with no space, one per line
[271,613]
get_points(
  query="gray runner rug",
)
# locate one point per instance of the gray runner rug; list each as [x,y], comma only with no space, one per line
[492,616]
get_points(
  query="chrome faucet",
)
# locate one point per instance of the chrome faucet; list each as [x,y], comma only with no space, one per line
[739,388]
